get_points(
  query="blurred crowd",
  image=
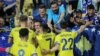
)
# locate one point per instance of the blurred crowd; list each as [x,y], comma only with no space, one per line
[40,10]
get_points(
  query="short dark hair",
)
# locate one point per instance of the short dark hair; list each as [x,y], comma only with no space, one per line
[71,3]
[23,32]
[41,6]
[46,28]
[90,6]
[23,18]
[78,11]
[75,18]
[54,2]
[38,22]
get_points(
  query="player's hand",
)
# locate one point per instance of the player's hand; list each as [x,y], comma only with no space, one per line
[45,52]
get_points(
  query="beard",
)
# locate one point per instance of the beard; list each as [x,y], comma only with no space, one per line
[79,23]
[56,11]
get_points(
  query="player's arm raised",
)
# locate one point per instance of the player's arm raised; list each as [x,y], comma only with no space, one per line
[84,26]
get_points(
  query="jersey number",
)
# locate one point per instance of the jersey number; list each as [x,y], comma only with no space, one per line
[65,43]
[21,52]
[49,39]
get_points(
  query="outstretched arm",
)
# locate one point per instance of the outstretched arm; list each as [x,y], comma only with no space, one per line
[9,6]
[84,26]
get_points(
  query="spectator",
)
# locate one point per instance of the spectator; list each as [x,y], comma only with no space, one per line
[42,17]
[10,11]
[74,3]
[37,3]
[4,32]
[69,9]
[1,22]
[3,10]
[56,14]
[78,21]
[46,3]
[91,16]
[71,21]
[78,13]
[2,25]
[62,3]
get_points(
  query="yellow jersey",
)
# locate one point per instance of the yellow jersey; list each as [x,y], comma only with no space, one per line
[38,51]
[46,42]
[15,35]
[66,42]
[26,8]
[22,49]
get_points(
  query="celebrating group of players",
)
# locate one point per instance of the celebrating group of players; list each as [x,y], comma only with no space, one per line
[42,42]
